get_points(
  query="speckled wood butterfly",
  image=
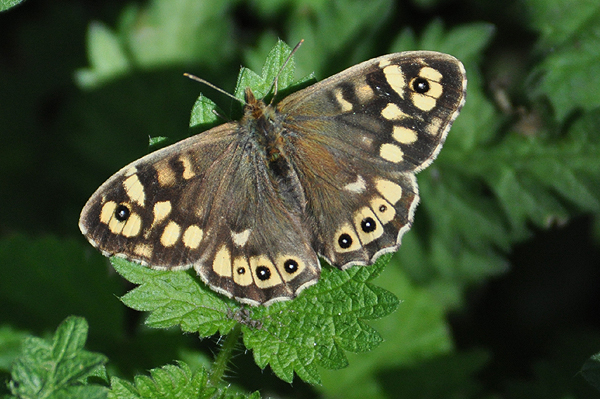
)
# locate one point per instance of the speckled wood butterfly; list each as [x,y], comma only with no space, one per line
[327,171]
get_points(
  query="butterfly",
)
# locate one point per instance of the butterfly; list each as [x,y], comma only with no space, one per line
[328,171]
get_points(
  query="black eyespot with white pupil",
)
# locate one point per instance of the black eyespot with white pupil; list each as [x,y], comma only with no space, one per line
[263,273]
[290,266]
[240,270]
[122,213]
[345,241]
[368,225]
[421,85]
[382,208]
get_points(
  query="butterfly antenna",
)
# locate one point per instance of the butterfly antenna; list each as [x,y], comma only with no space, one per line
[212,86]
[274,86]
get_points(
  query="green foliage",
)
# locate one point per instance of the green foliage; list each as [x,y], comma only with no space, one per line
[59,367]
[172,381]
[295,336]
[6,4]
[522,158]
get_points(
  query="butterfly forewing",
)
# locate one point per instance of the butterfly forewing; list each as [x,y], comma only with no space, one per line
[328,171]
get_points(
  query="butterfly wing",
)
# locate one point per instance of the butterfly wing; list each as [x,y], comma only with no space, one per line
[357,139]
[206,202]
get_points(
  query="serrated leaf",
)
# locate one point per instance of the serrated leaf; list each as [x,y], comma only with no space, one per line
[175,298]
[172,381]
[293,336]
[56,368]
[417,331]
[316,328]
[203,112]
[6,4]
[274,67]
[570,75]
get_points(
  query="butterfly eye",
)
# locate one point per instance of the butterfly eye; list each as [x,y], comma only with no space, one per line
[345,241]
[122,213]
[420,85]
[263,273]
[368,225]
[290,266]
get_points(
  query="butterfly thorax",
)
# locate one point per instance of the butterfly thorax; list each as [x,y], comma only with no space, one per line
[264,127]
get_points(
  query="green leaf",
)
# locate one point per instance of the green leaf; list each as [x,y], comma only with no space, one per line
[293,336]
[175,298]
[417,331]
[570,75]
[591,371]
[323,322]
[272,68]
[559,21]
[58,367]
[6,4]
[172,381]
[106,55]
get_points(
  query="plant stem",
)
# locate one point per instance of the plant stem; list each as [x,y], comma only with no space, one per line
[224,356]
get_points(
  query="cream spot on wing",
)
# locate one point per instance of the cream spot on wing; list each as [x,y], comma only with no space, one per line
[170,234]
[367,225]
[130,227]
[345,105]
[384,211]
[165,174]
[293,263]
[192,236]
[404,135]
[240,239]
[143,250]
[391,152]
[364,92]
[395,78]
[384,62]
[222,262]
[391,191]
[264,272]
[130,171]
[430,74]
[345,239]
[107,212]
[161,210]
[435,90]
[423,101]
[435,126]
[188,170]
[392,112]
[241,271]
[357,187]
[134,189]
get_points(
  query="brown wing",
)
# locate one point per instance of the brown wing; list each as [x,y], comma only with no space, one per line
[205,202]
[357,139]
